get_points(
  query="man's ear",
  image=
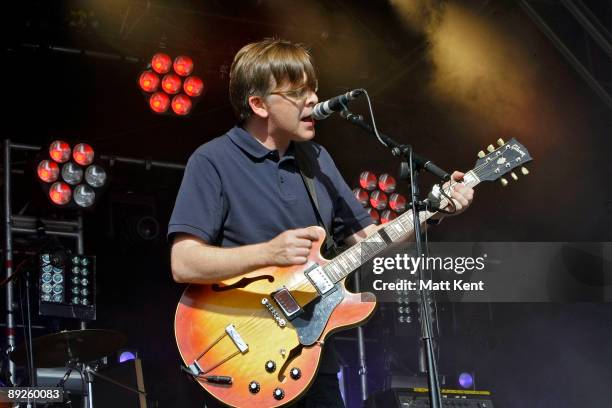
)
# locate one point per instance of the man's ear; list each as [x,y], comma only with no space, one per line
[259,107]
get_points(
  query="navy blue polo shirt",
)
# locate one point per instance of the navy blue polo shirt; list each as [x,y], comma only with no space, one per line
[235,191]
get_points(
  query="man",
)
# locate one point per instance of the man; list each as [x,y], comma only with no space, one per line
[243,204]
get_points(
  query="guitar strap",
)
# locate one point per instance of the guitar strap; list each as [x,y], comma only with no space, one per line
[305,159]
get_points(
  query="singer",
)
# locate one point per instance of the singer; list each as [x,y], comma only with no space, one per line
[243,203]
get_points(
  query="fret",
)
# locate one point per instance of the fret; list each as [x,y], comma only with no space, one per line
[329,268]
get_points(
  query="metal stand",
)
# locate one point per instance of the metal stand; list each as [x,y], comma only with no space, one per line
[363,370]
[410,166]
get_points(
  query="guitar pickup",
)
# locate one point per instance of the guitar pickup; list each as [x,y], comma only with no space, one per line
[287,303]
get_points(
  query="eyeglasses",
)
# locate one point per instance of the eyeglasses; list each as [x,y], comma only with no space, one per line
[298,93]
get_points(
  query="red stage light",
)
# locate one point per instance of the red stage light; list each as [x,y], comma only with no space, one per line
[159,102]
[387,216]
[193,86]
[397,202]
[387,183]
[378,200]
[60,193]
[181,104]
[171,83]
[48,171]
[161,63]
[59,151]
[368,180]
[375,215]
[183,65]
[362,196]
[83,154]
[149,81]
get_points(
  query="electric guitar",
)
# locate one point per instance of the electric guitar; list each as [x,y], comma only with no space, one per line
[256,340]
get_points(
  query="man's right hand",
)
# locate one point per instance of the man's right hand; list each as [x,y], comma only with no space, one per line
[291,247]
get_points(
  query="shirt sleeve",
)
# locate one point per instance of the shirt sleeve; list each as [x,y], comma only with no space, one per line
[198,209]
[349,215]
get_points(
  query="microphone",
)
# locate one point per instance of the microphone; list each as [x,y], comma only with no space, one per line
[323,110]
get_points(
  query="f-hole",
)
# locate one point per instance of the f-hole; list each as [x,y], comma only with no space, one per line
[295,352]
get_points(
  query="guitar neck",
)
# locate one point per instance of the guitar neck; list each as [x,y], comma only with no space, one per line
[394,231]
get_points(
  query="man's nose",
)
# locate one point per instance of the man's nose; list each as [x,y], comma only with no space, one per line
[312,99]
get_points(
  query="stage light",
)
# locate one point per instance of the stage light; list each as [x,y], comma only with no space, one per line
[387,216]
[378,200]
[149,81]
[183,65]
[161,63]
[181,105]
[127,356]
[386,183]
[362,196]
[466,380]
[83,154]
[72,173]
[159,102]
[171,83]
[368,180]
[65,291]
[85,177]
[59,151]
[177,78]
[60,193]
[193,86]
[95,176]
[375,215]
[48,171]
[397,202]
[84,196]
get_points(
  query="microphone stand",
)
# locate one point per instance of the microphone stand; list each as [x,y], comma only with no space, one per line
[410,166]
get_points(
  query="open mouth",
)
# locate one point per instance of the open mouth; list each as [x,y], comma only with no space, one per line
[308,119]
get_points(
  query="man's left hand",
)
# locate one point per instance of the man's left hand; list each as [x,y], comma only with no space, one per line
[461,194]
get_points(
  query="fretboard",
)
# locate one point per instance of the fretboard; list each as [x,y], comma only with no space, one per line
[393,231]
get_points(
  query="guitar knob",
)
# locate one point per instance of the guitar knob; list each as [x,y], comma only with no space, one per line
[279,394]
[254,387]
[524,171]
[270,366]
[514,176]
[295,373]
[500,142]
[504,182]
[481,154]
[490,148]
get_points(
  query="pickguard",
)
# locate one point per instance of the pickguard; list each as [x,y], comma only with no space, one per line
[312,321]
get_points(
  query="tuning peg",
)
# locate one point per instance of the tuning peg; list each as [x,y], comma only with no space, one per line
[503,181]
[514,176]
[500,142]
[490,148]
[524,171]
[481,154]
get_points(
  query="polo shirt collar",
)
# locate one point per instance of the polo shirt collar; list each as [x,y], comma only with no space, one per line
[251,146]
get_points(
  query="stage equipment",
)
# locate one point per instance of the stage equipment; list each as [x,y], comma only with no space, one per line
[78,350]
[260,335]
[75,183]
[59,349]
[466,380]
[373,193]
[67,285]
[169,86]
[499,162]
[417,398]
[323,110]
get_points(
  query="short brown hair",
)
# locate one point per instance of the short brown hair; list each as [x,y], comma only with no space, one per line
[256,63]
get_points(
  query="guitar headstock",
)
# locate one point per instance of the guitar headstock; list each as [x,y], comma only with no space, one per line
[501,161]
